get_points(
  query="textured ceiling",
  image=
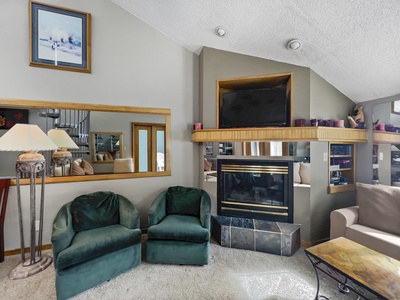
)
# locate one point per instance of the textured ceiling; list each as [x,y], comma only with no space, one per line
[354,45]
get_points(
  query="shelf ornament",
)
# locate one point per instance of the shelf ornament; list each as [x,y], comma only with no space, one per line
[356,118]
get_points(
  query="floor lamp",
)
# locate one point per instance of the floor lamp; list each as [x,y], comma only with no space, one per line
[30,139]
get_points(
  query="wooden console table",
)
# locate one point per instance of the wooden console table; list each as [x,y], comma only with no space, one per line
[368,273]
[4,187]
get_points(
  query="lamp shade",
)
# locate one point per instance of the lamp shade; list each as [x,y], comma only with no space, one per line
[26,137]
[62,139]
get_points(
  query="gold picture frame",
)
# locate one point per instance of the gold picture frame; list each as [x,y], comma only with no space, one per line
[59,38]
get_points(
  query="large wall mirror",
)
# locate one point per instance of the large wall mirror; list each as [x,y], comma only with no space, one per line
[386,143]
[97,129]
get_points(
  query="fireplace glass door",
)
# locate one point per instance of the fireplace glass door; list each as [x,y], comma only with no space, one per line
[259,189]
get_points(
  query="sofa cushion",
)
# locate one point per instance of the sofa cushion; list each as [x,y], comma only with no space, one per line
[296,172]
[95,210]
[179,228]
[305,173]
[77,170]
[87,167]
[379,207]
[123,165]
[96,242]
[380,241]
[183,200]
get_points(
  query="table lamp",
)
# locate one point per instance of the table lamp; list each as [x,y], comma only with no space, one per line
[64,142]
[30,139]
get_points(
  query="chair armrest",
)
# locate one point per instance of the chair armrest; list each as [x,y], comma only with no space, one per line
[158,209]
[341,219]
[128,214]
[205,210]
[63,231]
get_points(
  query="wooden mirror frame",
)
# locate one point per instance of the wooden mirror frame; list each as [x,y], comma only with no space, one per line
[27,104]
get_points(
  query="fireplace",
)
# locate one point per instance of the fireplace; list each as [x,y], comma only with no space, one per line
[255,188]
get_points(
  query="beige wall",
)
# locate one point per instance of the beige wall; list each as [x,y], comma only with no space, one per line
[218,64]
[132,64]
[326,102]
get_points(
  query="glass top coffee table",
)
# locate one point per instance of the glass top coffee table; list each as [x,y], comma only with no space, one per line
[369,274]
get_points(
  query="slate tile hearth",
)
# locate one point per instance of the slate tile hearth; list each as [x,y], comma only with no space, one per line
[257,235]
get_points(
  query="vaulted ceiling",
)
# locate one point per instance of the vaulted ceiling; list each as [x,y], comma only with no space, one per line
[352,44]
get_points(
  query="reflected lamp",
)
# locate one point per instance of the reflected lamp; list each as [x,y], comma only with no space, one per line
[62,157]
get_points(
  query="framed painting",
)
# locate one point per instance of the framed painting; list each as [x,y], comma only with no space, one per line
[59,38]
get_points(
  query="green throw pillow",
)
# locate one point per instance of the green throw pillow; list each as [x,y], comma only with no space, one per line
[183,200]
[95,210]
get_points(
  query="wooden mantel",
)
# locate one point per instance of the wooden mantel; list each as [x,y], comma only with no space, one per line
[383,137]
[323,134]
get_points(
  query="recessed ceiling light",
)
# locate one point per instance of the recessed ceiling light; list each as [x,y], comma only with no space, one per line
[294,44]
[221,31]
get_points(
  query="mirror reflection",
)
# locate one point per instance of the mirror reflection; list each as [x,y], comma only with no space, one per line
[105,146]
[386,143]
[104,134]
[300,151]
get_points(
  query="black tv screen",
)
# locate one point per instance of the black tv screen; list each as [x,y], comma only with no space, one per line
[254,108]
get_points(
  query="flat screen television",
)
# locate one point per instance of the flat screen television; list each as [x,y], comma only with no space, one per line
[255,108]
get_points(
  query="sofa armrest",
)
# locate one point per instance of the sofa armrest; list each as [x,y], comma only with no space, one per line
[128,214]
[341,219]
[205,210]
[63,231]
[158,209]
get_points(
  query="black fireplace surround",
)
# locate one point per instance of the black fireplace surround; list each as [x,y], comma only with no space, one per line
[256,188]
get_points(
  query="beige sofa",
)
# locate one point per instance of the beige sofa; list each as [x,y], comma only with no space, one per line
[374,222]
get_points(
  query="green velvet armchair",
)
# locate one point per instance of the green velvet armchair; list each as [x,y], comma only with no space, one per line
[95,238]
[179,227]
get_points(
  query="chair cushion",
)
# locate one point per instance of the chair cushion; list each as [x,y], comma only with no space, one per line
[179,228]
[97,242]
[95,210]
[183,200]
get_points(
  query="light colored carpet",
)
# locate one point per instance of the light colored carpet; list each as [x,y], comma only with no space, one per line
[231,274]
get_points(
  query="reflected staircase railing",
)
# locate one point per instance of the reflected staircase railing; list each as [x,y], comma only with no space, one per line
[75,122]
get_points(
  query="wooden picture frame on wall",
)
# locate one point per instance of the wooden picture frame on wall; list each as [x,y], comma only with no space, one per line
[59,38]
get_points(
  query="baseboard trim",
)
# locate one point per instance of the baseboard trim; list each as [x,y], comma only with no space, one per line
[27,250]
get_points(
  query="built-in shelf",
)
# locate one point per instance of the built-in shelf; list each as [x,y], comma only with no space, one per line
[341,167]
[382,137]
[341,188]
[310,133]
